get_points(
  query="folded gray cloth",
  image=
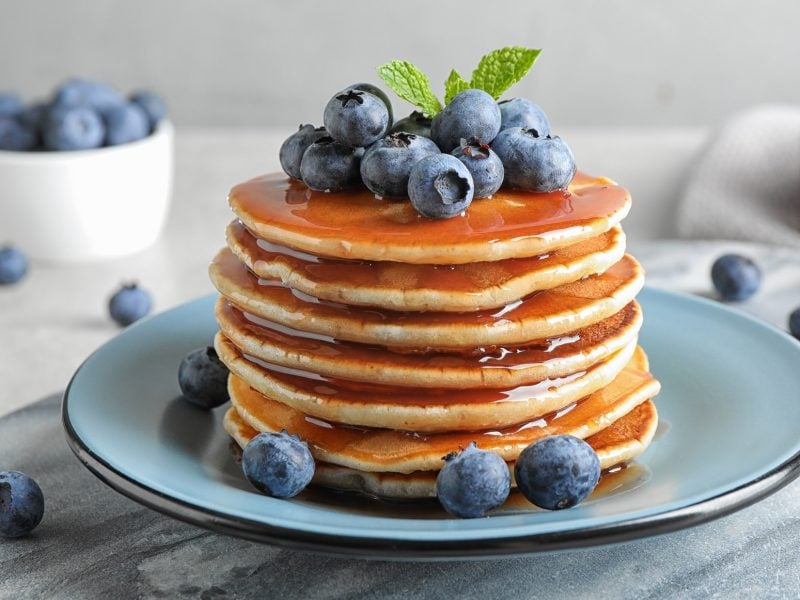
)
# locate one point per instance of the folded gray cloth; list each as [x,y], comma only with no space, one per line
[746,183]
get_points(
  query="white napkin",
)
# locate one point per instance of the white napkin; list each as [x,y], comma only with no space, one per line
[746,183]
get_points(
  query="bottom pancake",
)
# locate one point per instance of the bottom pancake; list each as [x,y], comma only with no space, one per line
[619,443]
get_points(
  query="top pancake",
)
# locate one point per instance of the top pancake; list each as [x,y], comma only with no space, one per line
[357,225]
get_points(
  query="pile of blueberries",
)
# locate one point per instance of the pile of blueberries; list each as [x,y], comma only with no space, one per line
[81,114]
[467,151]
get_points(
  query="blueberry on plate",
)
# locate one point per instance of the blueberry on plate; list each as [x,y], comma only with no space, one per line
[125,123]
[387,164]
[440,186]
[328,166]
[534,162]
[472,113]
[13,265]
[794,323]
[21,504]
[129,303]
[293,147]
[16,134]
[521,112]
[88,93]
[486,167]
[10,105]
[735,277]
[557,472]
[278,464]
[73,128]
[415,123]
[153,106]
[203,378]
[375,91]
[356,118]
[472,482]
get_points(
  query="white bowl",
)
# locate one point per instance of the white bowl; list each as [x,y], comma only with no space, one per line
[87,204]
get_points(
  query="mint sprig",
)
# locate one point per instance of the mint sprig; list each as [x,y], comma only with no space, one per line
[495,73]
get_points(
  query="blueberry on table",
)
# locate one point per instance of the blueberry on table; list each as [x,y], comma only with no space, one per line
[484,165]
[375,91]
[13,265]
[794,323]
[153,106]
[440,186]
[328,166]
[129,303]
[415,123]
[472,482]
[534,162]
[88,93]
[387,164]
[356,118]
[125,123]
[293,147]
[16,134]
[278,464]
[203,378]
[735,277]
[10,105]
[521,112]
[472,113]
[21,504]
[73,128]
[557,472]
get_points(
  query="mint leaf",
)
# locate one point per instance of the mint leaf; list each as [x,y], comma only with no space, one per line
[501,69]
[454,85]
[411,85]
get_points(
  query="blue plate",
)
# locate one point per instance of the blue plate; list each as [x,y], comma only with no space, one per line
[729,400]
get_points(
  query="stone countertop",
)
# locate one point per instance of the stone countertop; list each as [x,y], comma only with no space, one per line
[96,543]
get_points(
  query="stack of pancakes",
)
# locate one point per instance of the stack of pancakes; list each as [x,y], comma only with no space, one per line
[387,340]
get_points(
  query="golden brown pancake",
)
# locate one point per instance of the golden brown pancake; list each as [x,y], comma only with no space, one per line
[356,225]
[544,314]
[416,287]
[493,367]
[367,449]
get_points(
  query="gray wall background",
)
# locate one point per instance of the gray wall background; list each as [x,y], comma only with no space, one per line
[250,62]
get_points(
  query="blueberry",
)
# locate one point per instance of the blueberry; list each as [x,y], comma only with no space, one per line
[484,165]
[153,106]
[125,123]
[73,128]
[375,91]
[472,482]
[21,504]
[128,304]
[387,163]
[534,162]
[356,118]
[794,323]
[13,265]
[415,123]
[278,464]
[203,378]
[520,112]
[735,277]
[88,93]
[440,186]
[292,149]
[557,472]
[472,113]
[328,166]
[10,105]
[16,134]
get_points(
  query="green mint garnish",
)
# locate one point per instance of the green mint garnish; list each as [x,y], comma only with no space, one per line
[454,85]
[411,85]
[501,69]
[495,73]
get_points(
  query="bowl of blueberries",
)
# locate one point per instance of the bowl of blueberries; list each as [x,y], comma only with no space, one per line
[86,174]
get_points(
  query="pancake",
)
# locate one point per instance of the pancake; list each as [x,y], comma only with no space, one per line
[356,225]
[381,450]
[416,287]
[491,367]
[543,314]
[619,443]
[418,408]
